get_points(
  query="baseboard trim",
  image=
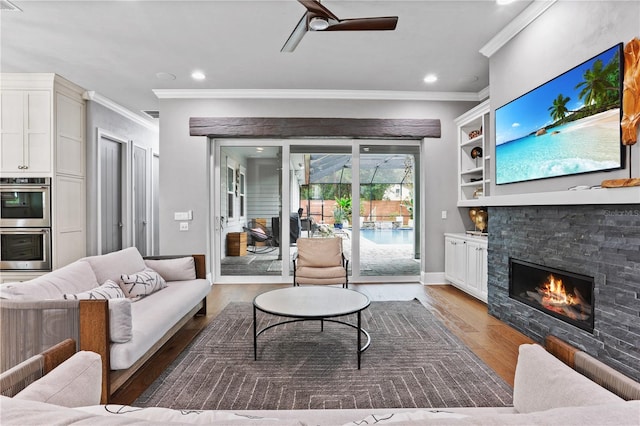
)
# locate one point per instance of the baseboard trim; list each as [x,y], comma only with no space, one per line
[432,278]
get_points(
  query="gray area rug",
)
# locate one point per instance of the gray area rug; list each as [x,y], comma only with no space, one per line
[413,361]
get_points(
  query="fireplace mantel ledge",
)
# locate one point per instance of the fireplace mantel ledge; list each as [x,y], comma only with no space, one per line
[588,196]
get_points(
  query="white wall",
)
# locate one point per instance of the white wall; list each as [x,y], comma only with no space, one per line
[101,117]
[183,163]
[567,34]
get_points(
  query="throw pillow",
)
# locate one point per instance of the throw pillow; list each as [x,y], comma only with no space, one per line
[76,382]
[543,382]
[143,283]
[108,290]
[178,269]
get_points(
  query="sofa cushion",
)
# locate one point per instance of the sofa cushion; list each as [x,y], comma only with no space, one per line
[111,265]
[73,278]
[143,283]
[153,316]
[120,320]
[543,382]
[108,290]
[74,383]
[178,269]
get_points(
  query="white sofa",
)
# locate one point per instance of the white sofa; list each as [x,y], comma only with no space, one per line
[125,330]
[546,392]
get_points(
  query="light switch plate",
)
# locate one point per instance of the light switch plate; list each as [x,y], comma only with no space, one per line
[188,215]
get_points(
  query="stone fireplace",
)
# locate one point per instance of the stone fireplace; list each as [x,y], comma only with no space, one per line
[597,243]
[561,294]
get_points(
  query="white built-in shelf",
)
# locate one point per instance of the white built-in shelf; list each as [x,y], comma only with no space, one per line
[599,196]
[475,141]
[475,120]
[472,171]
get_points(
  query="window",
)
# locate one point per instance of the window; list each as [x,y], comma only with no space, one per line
[241,194]
[230,191]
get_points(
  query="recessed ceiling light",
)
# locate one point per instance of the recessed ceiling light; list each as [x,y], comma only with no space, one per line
[431,78]
[198,75]
[259,149]
[503,2]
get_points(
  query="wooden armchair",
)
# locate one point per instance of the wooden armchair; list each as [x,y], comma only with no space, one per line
[320,261]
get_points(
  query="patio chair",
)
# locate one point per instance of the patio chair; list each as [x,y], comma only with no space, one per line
[320,261]
[259,233]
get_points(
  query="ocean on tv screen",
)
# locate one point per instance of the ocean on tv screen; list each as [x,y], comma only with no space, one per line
[585,145]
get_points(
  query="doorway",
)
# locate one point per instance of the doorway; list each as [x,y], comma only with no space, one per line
[318,177]
[112,166]
[141,208]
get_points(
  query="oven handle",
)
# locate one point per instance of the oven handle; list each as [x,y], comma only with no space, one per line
[10,230]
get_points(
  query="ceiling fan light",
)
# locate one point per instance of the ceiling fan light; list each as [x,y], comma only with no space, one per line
[318,23]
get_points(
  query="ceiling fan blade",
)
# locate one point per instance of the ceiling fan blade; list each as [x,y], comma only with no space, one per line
[296,36]
[365,24]
[316,9]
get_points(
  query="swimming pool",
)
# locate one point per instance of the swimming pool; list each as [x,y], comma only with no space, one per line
[388,236]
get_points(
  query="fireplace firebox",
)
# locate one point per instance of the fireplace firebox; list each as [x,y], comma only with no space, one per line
[561,294]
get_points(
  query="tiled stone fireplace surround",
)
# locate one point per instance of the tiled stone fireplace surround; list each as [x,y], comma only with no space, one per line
[602,241]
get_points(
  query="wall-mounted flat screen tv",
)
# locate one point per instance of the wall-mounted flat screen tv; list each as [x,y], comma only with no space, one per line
[568,125]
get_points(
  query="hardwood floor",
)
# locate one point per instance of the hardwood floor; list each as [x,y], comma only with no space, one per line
[491,340]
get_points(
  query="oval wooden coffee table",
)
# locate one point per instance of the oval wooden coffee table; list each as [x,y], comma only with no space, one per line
[312,303]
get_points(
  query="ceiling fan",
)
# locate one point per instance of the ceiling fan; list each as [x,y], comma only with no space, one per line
[319,18]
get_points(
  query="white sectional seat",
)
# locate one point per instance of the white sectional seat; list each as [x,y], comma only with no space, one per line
[138,307]
[154,316]
[548,393]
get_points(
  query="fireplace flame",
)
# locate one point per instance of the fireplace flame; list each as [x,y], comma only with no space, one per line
[554,293]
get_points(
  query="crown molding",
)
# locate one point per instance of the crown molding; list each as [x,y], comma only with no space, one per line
[377,95]
[520,22]
[484,93]
[91,95]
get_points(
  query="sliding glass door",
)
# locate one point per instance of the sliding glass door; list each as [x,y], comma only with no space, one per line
[389,243]
[248,210]
[267,194]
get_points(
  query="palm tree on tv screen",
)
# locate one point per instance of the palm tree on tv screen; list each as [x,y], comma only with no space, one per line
[559,108]
[597,85]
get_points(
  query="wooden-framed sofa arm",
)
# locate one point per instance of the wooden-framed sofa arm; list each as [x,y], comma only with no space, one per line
[57,354]
[95,337]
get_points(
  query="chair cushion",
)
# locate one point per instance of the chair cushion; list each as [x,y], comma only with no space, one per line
[74,383]
[322,273]
[319,252]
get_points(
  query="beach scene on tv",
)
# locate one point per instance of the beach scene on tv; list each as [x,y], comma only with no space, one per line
[569,125]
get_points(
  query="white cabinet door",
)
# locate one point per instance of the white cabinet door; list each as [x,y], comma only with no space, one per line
[26,131]
[476,268]
[38,132]
[455,260]
[466,264]
[12,129]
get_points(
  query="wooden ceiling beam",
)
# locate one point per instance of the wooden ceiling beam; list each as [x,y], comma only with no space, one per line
[297,127]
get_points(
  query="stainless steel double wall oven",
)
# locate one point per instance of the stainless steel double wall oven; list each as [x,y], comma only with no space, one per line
[25,224]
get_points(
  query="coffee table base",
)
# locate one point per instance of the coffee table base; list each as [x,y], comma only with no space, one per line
[360,348]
